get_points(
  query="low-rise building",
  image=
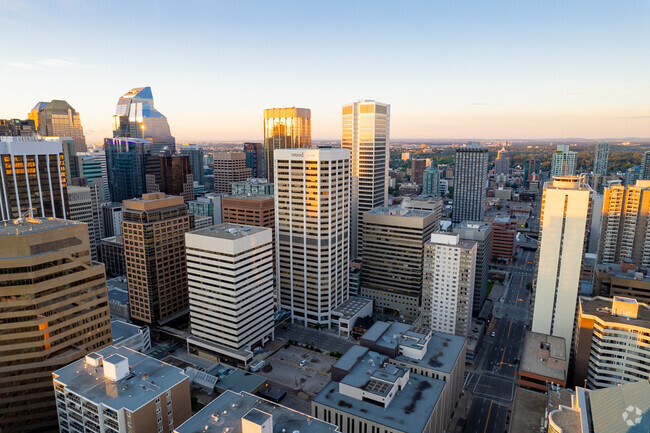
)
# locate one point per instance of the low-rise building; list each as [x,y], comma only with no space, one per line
[623,279]
[345,315]
[504,232]
[118,389]
[409,189]
[132,336]
[543,361]
[252,186]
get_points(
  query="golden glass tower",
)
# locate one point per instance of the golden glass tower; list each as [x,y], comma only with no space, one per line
[285,128]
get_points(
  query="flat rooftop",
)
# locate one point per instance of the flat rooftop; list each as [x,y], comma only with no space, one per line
[479,226]
[22,226]
[149,377]
[252,197]
[240,380]
[532,363]
[615,270]
[229,231]
[123,331]
[351,307]
[399,211]
[225,413]
[602,308]
[609,404]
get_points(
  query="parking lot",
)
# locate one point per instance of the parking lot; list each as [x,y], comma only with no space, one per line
[287,372]
[325,340]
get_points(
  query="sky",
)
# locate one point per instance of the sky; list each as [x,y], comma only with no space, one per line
[450,69]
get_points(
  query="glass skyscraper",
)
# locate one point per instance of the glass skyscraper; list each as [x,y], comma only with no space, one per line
[285,128]
[195,154]
[255,159]
[126,161]
[136,117]
[59,119]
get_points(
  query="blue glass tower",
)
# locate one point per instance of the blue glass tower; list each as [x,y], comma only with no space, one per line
[126,161]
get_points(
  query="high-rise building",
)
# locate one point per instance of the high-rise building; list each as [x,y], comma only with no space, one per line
[564,224]
[430,204]
[229,167]
[531,167]
[601,158]
[230,273]
[502,162]
[136,117]
[645,167]
[171,174]
[632,174]
[34,177]
[448,288]
[59,119]
[252,187]
[431,181]
[208,205]
[255,158]
[285,128]
[312,212]
[17,128]
[154,228]
[418,165]
[563,162]
[111,253]
[93,167]
[126,162]
[119,390]
[366,134]
[504,232]
[625,227]
[195,155]
[470,183]
[394,239]
[482,233]
[53,310]
[84,207]
[112,219]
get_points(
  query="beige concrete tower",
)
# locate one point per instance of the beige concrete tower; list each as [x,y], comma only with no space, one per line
[285,128]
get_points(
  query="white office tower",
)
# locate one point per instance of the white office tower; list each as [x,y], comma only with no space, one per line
[564,223]
[448,287]
[366,133]
[564,161]
[84,207]
[230,275]
[312,214]
[601,158]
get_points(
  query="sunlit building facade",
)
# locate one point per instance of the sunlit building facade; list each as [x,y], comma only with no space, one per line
[312,202]
[564,161]
[229,167]
[602,158]
[285,128]
[366,134]
[59,119]
[136,117]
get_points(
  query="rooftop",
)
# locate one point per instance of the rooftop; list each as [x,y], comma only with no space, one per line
[123,331]
[225,413]
[229,231]
[351,307]
[148,378]
[602,308]
[609,404]
[641,274]
[240,380]
[254,197]
[399,211]
[554,365]
[23,226]
[473,225]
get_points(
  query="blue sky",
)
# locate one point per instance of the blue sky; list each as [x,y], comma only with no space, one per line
[449,69]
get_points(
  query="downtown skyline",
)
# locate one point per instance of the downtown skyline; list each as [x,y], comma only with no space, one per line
[532,70]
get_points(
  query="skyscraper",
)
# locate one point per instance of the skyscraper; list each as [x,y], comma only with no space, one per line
[17,128]
[136,117]
[229,167]
[448,287]
[93,167]
[502,162]
[34,176]
[53,310]
[255,158]
[431,182]
[564,223]
[418,165]
[563,162]
[312,202]
[154,228]
[59,119]
[601,158]
[84,207]
[470,183]
[285,128]
[366,134]
[481,233]
[625,226]
[126,161]
[531,167]
[171,174]
[195,154]
[230,272]
[645,167]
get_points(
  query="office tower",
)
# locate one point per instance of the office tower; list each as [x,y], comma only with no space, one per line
[126,162]
[255,158]
[285,128]
[195,155]
[433,205]
[136,117]
[632,174]
[393,240]
[531,167]
[229,167]
[504,232]
[252,187]
[312,211]
[17,128]
[563,162]
[482,233]
[601,158]
[110,252]
[612,339]
[502,162]
[366,134]
[625,227]
[154,228]
[34,177]
[564,223]
[119,390]
[448,287]
[443,187]
[112,219]
[69,156]
[230,273]
[208,205]
[171,174]
[59,119]
[470,183]
[645,167]
[418,165]
[84,207]
[431,182]
[93,167]
[54,310]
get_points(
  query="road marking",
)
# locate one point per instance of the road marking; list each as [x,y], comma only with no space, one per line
[507,337]
[488,418]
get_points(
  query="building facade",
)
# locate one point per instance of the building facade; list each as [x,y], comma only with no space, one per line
[126,162]
[366,134]
[110,252]
[255,159]
[84,207]
[504,233]
[285,128]
[418,165]
[470,183]
[502,163]
[229,167]
[252,186]
[431,182]
[171,174]
[195,156]
[601,158]
[480,232]
[58,119]
[54,310]
[312,211]
[563,162]
[645,166]
[112,216]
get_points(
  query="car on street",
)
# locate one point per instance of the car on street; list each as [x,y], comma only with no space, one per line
[303,362]
[493,334]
